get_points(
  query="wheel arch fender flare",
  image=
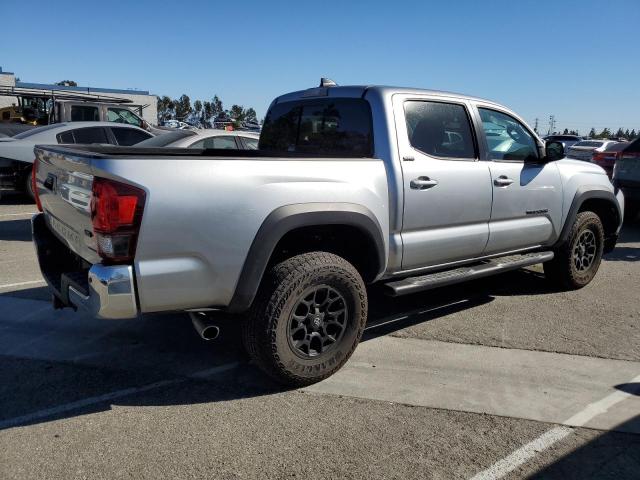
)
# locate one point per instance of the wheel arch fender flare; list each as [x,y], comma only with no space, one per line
[287,218]
[584,193]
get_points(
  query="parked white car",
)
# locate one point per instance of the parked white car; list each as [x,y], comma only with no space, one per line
[211,138]
[16,153]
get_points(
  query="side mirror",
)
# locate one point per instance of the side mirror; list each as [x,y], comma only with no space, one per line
[553,151]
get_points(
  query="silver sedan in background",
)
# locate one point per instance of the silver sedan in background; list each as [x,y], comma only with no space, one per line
[585,150]
[211,138]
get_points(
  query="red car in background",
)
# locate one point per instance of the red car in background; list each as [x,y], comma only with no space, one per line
[607,157]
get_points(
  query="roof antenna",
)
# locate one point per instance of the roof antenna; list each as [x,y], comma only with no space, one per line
[327,82]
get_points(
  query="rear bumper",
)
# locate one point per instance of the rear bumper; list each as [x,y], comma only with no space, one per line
[103,291]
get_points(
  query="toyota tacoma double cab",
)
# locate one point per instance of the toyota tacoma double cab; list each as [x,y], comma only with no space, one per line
[350,185]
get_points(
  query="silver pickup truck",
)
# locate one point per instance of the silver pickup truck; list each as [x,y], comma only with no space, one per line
[351,185]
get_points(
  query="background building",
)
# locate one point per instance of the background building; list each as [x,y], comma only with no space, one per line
[141,100]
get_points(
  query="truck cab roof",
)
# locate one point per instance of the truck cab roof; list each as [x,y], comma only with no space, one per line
[355,91]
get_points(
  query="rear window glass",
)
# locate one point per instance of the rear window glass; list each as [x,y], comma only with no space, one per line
[129,136]
[340,126]
[83,113]
[66,137]
[633,146]
[165,139]
[589,144]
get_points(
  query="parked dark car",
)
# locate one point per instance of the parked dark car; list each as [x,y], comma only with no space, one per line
[566,140]
[626,176]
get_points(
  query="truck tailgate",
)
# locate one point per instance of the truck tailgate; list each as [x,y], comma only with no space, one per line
[64,182]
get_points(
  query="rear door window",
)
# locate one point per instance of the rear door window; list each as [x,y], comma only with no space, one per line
[129,136]
[340,126]
[440,129]
[90,135]
[223,142]
[84,113]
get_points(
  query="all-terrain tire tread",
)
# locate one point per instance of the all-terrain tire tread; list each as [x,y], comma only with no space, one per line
[278,284]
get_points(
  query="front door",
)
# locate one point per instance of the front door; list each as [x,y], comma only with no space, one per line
[527,194]
[447,190]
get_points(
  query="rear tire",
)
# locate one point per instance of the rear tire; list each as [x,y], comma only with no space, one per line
[307,318]
[576,262]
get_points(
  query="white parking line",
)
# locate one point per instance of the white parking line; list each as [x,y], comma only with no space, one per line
[524,454]
[107,397]
[20,284]
[550,437]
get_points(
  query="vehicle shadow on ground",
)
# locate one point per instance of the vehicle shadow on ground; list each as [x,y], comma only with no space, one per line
[141,353]
[14,198]
[36,293]
[612,455]
[16,230]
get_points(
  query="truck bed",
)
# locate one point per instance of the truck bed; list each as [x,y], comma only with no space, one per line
[203,208]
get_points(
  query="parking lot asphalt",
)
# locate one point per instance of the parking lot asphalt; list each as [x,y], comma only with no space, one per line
[497,378]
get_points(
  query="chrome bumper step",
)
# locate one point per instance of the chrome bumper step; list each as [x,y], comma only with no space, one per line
[462,274]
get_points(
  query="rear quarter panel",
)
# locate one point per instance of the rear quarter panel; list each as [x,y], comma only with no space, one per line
[202,215]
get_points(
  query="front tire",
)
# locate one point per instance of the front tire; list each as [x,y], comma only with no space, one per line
[307,318]
[577,261]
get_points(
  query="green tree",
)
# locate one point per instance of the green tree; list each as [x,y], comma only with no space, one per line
[250,115]
[605,133]
[183,107]
[237,114]
[208,113]
[67,83]
[633,134]
[216,104]
[165,108]
[566,131]
[592,133]
[619,133]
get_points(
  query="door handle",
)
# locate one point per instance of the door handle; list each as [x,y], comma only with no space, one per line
[502,181]
[422,183]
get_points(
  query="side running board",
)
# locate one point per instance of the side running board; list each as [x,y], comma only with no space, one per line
[462,274]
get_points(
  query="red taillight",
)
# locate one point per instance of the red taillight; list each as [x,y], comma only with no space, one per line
[34,184]
[116,214]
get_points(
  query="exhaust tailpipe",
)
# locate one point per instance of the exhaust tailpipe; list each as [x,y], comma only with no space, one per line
[205,327]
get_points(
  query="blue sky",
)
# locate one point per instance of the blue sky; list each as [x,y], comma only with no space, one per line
[577,60]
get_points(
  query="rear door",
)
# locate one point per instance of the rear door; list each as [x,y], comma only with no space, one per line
[447,190]
[527,194]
